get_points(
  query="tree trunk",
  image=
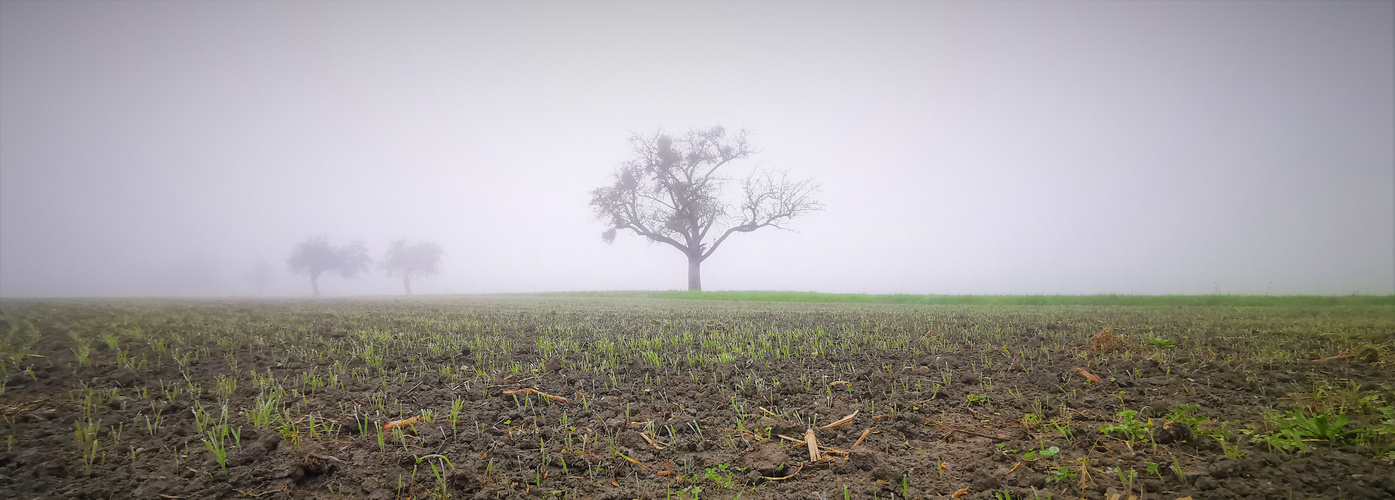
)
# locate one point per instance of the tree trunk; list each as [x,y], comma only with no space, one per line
[694,274]
[407,283]
[315,283]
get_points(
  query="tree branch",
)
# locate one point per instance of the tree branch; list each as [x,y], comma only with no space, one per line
[670,192]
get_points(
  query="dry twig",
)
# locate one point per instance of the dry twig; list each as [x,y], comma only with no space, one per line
[527,391]
[796,441]
[952,430]
[254,495]
[795,473]
[1367,354]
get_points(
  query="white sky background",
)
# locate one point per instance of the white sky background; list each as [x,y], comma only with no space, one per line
[163,148]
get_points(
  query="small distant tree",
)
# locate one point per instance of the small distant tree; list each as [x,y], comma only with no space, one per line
[259,275]
[421,259]
[671,192]
[315,256]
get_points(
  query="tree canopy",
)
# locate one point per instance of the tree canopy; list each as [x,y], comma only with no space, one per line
[315,256]
[421,259]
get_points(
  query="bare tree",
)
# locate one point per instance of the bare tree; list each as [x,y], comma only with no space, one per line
[259,275]
[315,256]
[420,259]
[671,192]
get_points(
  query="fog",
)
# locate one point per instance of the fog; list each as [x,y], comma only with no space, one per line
[167,148]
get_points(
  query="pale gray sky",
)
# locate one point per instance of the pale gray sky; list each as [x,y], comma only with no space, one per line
[157,148]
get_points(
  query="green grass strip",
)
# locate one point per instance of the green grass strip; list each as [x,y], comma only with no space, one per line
[1009,300]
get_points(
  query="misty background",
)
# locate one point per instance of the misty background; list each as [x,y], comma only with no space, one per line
[166,148]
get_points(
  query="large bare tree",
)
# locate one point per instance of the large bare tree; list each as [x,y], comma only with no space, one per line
[412,260]
[315,256]
[672,192]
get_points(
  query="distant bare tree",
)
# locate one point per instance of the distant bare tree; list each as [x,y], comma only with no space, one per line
[315,256]
[421,259]
[259,275]
[671,192]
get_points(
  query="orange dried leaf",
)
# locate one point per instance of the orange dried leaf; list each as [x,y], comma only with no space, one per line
[1088,375]
[400,423]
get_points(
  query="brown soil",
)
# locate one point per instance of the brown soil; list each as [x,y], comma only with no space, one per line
[634,429]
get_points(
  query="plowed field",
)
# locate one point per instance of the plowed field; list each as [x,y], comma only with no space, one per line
[620,398]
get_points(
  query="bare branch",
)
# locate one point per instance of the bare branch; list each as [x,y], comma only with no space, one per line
[670,192]
[771,201]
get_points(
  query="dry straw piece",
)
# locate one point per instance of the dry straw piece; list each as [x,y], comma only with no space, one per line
[861,438]
[841,422]
[1366,354]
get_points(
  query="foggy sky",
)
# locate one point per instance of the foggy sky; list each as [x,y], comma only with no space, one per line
[164,148]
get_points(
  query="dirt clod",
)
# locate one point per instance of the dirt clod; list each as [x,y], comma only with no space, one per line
[769,459]
[875,462]
[51,469]
[1171,432]
[1207,483]
[125,378]
[631,440]
[314,465]
[986,482]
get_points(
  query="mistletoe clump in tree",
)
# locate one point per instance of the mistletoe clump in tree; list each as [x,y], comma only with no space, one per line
[673,192]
